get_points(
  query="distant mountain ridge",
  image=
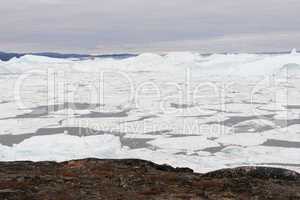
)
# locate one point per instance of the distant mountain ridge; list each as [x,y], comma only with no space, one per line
[7,56]
[4,56]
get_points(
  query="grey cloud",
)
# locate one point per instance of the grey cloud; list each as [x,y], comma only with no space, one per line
[139,25]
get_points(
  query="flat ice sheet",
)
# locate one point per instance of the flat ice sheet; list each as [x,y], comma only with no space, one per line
[182,108]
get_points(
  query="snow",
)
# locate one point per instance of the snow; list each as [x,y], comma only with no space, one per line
[242,139]
[191,143]
[62,147]
[186,109]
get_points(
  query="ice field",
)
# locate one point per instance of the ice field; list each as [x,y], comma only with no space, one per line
[205,112]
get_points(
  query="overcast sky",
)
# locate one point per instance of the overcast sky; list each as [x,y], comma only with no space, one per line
[112,26]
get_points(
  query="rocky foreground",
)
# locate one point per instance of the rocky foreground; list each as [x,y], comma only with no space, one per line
[137,179]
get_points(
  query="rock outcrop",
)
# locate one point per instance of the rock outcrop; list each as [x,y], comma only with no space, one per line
[131,179]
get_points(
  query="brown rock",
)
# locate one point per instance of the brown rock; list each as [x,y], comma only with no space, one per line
[91,179]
